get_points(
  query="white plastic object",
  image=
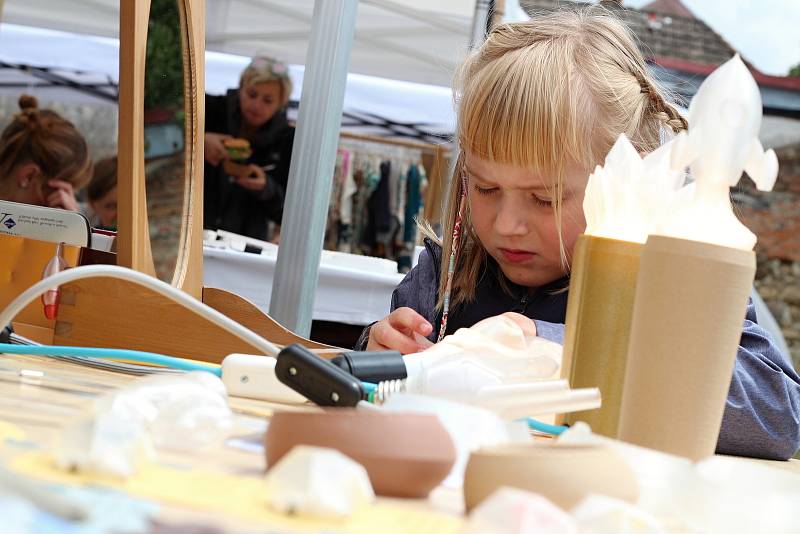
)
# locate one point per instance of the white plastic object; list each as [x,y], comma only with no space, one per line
[246,375]
[493,352]
[722,141]
[186,412]
[318,482]
[515,511]
[628,196]
[112,271]
[599,514]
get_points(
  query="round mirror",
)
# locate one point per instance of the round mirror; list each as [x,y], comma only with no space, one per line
[167,135]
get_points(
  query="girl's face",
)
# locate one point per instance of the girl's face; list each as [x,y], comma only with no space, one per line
[512,214]
[259,102]
[106,208]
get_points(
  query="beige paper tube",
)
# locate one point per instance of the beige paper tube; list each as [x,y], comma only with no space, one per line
[599,311]
[691,299]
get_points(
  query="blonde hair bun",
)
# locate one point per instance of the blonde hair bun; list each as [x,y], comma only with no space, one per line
[28,102]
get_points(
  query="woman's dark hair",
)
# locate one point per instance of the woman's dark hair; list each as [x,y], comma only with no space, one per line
[104,179]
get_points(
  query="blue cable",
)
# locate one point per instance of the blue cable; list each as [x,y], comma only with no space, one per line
[555,430]
[369,387]
[150,358]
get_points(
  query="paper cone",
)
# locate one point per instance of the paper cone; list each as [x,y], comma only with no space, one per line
[599,311]
[691,300]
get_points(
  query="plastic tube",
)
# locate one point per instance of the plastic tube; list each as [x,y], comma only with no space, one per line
[91,271]
[576,400]
[149,358]
[489,393]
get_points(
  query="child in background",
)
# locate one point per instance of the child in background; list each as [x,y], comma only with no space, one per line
[44,159]
[102,192]
[540,104]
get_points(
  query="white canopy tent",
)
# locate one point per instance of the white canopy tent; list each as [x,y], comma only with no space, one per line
[412,40]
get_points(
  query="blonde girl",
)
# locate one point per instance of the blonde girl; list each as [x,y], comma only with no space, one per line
[540,104]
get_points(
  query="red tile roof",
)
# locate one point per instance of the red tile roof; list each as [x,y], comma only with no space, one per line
[778,82]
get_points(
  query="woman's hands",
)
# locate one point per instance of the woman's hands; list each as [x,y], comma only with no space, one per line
[255,181]
[214,149]
[61,195]
[396,332]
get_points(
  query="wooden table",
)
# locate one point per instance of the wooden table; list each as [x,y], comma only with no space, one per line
[38,395]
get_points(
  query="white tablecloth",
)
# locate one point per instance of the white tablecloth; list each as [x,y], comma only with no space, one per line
[349,294]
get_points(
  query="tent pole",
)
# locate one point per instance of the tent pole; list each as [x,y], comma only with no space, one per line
[313,161]
[480,22]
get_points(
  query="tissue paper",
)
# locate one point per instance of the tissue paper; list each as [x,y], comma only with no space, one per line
[171,412]
[318,482]
[514,511]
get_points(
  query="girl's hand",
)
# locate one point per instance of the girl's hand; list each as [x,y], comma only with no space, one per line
[396,332]
[255,181]
[214,150]
[61,195]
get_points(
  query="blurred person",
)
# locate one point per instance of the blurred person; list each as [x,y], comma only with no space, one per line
[255,112]
[44,159]
[102,194]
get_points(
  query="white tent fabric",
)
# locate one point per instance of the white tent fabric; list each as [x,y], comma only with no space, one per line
[413,40]
[95,60]
[57,66]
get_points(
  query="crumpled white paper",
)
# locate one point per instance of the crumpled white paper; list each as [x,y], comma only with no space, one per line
[175,412]
[627,198]
[318,482]
[515,511]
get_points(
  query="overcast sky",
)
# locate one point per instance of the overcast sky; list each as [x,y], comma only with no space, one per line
[765,32]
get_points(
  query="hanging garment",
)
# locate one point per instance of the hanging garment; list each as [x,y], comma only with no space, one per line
[413,206]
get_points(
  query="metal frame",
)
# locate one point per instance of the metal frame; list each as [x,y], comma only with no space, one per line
[312,165]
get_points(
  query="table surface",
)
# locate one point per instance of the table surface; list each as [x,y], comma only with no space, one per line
[356,293]
[38,395]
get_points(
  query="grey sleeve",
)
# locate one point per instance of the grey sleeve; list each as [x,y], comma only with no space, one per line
[762,413]
[550,331]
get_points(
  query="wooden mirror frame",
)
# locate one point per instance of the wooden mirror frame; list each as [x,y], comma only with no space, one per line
[133,240]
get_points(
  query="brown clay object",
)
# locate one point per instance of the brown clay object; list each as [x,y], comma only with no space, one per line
[405,454]
[564,473]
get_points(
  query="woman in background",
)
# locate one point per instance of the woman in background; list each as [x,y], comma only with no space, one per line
[102,193]
[256,111]
[44,159]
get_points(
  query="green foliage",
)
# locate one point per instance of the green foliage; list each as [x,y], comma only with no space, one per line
[163,80]
[795,71]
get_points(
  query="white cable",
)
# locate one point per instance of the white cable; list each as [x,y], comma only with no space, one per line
[112,271]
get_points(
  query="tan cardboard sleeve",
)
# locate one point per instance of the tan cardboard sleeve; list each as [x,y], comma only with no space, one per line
[690,304]
[598,322]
